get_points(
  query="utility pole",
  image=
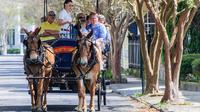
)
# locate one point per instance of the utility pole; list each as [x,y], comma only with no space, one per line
[97,6]
[45,8]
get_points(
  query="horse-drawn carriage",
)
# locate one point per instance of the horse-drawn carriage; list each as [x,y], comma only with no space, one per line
[64,70]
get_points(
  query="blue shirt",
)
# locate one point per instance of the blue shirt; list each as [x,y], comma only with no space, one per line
[99,31]
[108,37]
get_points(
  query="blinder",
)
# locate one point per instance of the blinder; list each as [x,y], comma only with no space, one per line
[93,59]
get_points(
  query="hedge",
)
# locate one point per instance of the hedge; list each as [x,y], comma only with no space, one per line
[196,68]
[13,51]
[186,65]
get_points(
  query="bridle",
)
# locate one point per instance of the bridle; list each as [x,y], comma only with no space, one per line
[85,44]
[92,60]
[41,49]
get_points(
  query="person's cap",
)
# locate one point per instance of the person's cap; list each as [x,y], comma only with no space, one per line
[67,1]
[51,13]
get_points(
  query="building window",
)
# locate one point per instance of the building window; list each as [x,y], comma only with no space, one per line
[11,37]
[149,23]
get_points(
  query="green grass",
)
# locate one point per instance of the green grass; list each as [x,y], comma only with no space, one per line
[137,95]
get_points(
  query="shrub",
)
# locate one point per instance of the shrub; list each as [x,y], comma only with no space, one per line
[196,68]
[108,74]
[13,51]
[131,71]
[186,66]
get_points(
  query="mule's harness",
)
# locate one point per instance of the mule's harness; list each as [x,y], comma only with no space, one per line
[92,61]
[40,60]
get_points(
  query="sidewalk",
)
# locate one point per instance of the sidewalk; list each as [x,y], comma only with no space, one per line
[188,101]
[9,58]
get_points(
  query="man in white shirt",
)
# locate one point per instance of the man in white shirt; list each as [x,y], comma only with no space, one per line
[65,19]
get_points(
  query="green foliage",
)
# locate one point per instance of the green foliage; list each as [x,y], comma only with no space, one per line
[169,28]
[196,68]
[186,4]
[131,71]
[186,65]
[136,95]
[192,40]
[13,51]
[161,105]
[108,74]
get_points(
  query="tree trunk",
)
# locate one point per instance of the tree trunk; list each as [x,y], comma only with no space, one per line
[151,76]
[168,75]
[116,65]
[4,43]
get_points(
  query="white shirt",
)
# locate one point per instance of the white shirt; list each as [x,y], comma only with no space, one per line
[64,15]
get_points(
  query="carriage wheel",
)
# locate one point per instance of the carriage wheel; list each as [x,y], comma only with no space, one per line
[99,97]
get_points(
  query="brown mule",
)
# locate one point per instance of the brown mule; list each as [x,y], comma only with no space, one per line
[38,62]
[87,67]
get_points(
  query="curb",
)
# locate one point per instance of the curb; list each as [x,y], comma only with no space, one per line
[146,103]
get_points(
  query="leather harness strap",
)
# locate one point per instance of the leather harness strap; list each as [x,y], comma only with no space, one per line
[92,61]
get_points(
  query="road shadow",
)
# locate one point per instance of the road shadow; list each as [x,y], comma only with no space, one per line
[51,108]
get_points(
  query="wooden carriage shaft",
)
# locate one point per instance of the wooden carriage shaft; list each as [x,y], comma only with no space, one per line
[68,78]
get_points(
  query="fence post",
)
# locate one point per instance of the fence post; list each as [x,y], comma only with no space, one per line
[141,70]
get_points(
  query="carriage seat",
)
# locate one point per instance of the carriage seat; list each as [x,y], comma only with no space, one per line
[63,49]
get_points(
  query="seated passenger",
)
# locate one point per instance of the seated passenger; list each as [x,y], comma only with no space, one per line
[99,33]
[107,39]
[81,24]
[49,29]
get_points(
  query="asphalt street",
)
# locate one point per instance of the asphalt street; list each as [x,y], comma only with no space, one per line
[14,92]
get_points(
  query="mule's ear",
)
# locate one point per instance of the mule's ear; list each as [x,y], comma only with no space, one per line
[90,34]
[26,31]
[37,30]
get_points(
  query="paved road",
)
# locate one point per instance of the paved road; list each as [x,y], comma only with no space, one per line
[14,95]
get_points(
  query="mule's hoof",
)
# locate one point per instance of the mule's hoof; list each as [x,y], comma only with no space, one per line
[33,109]
[44,109]
[85,110]
[92,110]
[39,110]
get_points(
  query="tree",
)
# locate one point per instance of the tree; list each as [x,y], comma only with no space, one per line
[7,19]
[151,57]
[165,12]
[118,17]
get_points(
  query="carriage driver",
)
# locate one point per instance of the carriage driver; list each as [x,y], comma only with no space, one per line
[49,29]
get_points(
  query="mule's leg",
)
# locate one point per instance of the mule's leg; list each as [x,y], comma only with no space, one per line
[39,94]
[81,94]
[91,85]
[32,92]
[46,86]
